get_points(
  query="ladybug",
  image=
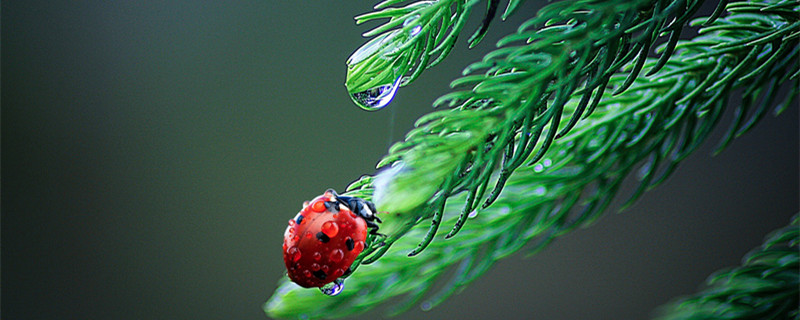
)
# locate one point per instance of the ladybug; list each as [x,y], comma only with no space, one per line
[325,237]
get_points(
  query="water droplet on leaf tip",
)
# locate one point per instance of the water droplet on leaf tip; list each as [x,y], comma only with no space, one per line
[426,306]
[370,48]
[333,288]
[377,97]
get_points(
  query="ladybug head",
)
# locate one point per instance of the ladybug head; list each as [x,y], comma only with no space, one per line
[362,208]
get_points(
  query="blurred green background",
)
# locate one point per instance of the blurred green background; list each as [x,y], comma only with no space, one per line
[153,152]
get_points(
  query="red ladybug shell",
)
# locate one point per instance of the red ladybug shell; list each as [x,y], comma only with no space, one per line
[320,244]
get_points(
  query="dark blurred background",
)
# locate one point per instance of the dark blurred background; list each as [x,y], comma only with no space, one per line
[152,153]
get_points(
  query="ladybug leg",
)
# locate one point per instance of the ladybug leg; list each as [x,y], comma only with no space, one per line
[373,228]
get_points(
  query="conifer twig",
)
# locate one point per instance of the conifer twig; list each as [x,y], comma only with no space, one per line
[444,169]
[765,286]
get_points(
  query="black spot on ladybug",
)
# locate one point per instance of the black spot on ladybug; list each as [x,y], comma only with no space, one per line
[350,243]
[323,237]
[320,274]
[299,219]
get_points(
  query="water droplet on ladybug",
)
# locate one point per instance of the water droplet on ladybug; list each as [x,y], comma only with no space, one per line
[377,97]
[307,273]
[318,206]
[333,288]
[338,273]
[325,268]
[315,266]
[330,229]
[317,256]
[294,253]
[291,223]
[336,255]
[359,246]
[308,234]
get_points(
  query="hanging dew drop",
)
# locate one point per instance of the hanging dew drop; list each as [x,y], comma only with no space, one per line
[333,288]
[370,48]
[376,97]
[375,70]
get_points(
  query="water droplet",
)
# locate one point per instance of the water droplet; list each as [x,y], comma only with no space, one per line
[333,288]
[294,253]
[473,214]
[317,256]
[376,97]
[318,206]
[539,191]
[538,167]
[359,246]
[307,273]
[370,48]
[338,272]
[315,266]
[336,255]
[415,29]
[426,306]
[547,162]
[330,229]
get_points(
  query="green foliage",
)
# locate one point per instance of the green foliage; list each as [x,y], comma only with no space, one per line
[766,286]
[541,132]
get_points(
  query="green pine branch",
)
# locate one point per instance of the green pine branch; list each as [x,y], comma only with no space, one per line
[555,118]
[765,286]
